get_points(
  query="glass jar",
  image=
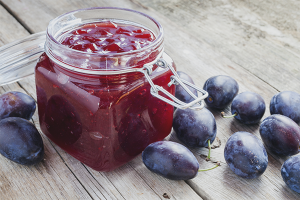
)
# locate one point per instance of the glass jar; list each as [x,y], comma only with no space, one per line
[101,108]
[103,117]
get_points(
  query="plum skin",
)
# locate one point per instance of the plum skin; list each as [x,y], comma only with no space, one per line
[280,134]
[16,104]
[249,107]
[286,103]
[170,160]
[246,155]
[180,93]
[291,174]
[20,141]
[221,91]
[195,127]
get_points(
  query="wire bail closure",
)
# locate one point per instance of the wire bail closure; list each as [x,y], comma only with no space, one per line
[175,79]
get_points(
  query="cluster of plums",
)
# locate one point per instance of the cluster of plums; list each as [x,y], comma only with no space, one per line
[194,128]
[244,153]
[20,141]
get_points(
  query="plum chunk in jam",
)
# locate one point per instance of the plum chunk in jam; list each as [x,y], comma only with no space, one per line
[108,37]
[103,121]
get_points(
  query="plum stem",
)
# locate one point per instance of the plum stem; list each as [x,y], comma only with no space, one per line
[202,170]
[209,148]
[224,116]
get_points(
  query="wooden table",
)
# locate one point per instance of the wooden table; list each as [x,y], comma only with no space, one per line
[255,42]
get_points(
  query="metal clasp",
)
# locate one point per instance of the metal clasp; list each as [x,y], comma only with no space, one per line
[175,79]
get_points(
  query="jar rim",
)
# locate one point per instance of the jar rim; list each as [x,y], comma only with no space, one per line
[157,40]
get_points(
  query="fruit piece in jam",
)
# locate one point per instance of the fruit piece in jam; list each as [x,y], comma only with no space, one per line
[108,37]
[103,121]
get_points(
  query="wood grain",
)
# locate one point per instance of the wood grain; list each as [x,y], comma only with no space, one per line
[205,38]
[243,35]
[123,183]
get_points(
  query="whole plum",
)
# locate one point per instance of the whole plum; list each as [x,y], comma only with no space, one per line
[62,120]
[291,174]
[16,104]
[195,127]
[180,93]
[170,160]
[246,155]
[20,141]
[248,107]
[280,134]
[221,91]
[133,135]
[286,103]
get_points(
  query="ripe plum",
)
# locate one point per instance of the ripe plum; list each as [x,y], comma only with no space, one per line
[221,91]
[20,141]
[180,93]
[16,104]
[246,155]
[247,107]
[62,120]
[280,134]
[170,160]
[133,135]
[291,174]
[286,103]
[195,127]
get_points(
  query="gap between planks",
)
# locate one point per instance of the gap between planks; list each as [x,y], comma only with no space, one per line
[21,22]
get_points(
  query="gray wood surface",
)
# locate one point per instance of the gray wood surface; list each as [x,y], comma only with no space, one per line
[255,42]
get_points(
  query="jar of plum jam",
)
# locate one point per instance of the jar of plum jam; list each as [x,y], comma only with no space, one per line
[103,85]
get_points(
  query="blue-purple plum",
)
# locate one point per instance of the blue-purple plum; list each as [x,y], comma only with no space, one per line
[170,160]
[16,104]
[246,155]
[249,107]
[20,141]
[280,134]
[291,174]
[195,127]
[221,91]
[286,103]
[180,93]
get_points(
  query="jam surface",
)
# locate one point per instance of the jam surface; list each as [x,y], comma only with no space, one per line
[108,37]
[103,121]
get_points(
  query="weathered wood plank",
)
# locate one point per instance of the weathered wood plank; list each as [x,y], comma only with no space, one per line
[123,183]
[7,21]
[244,35]
[283,15]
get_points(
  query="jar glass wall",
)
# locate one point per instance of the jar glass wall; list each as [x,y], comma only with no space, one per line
[90,105]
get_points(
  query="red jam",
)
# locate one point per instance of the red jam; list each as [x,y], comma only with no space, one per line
[108,37]
[103,121]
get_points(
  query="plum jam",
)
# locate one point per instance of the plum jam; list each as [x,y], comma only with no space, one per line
[108,37]
[91,101]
